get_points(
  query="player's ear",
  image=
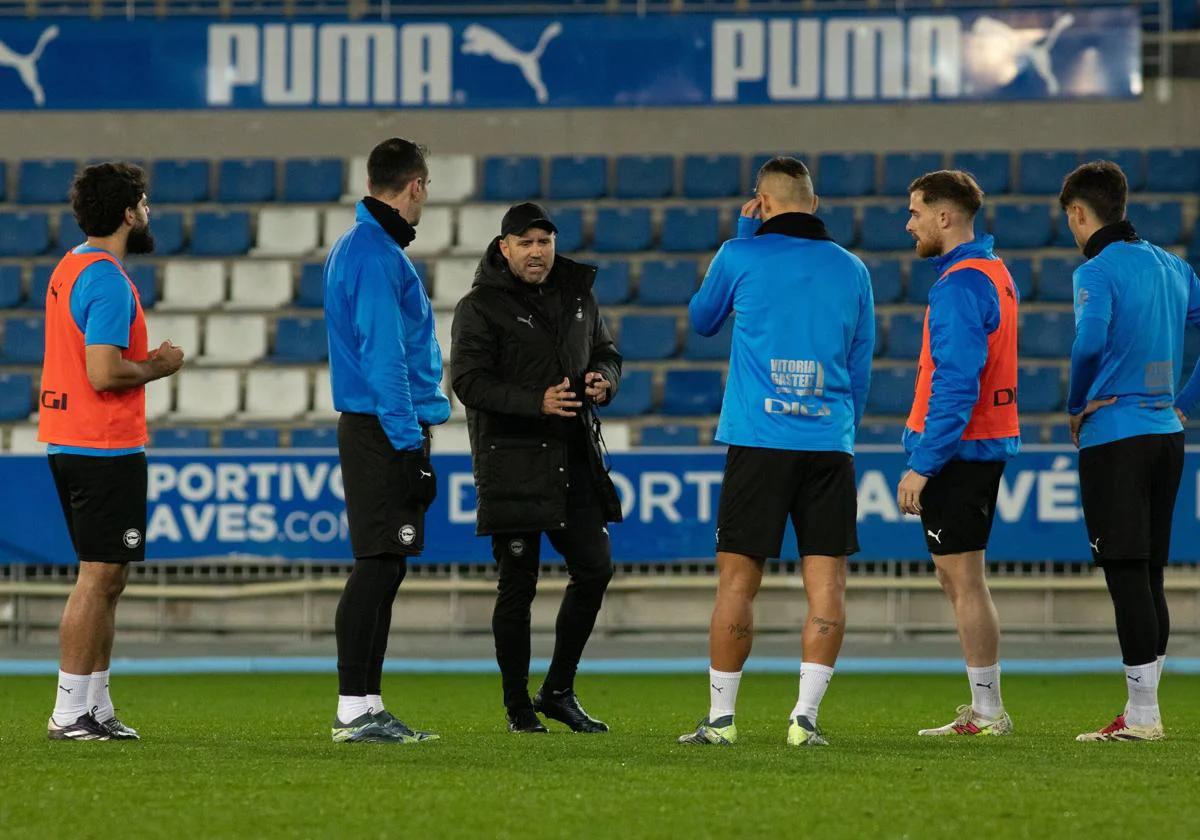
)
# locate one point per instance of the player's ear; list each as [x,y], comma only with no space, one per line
[816,203]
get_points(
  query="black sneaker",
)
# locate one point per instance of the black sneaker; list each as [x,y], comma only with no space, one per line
[392,722]
[524,720]
[85,728]
[564,707]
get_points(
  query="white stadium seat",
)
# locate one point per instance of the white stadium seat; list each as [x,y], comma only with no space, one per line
[452,178]
[280,394]
[193,284]
[441,328]
[453,279]
[158,398]
[356,180]
[287,232]
[234,339]
[435,232]
[616,436]
[322,397]
[181,330]
[260,284]
[451,437]
[336,221]
[22,440]
[207,395]
[478,225]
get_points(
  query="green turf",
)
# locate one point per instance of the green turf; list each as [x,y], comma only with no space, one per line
[250,756]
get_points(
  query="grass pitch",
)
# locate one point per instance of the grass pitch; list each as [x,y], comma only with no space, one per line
[250,756]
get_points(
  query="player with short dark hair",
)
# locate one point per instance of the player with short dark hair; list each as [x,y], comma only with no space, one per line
[1133,301]
[963,427]
[92,413]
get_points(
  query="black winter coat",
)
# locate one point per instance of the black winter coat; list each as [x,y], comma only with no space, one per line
[506,350]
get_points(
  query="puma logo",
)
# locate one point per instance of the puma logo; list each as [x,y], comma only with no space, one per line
[1135,679]
[528,321]
[720,689]
[426,474]
[988,686]
[26,65]
[67,690]
[480,40]
[54,292]
[937,536]
[1095,545]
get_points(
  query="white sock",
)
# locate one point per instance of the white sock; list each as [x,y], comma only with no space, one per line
[1162,663]
[1142,683]
[985,691]
[375,703]
[71,703]
[351,708]
[722,692]
[814,679]
[98,699]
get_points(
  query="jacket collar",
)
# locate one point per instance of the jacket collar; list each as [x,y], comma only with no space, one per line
[1120,232]
[978,248]
[394,225]
[798,225]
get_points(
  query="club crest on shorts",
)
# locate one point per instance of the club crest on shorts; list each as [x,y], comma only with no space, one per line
[516,548]
[407,534]
[132,538]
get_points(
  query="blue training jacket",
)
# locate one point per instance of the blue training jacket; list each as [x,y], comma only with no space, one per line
[963,311]
[384,358]
[800,363]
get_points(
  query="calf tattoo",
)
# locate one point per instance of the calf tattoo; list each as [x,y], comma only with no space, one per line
[739,631]
[824,624]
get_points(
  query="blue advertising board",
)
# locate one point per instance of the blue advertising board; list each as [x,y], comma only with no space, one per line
[571,61]
[288,505]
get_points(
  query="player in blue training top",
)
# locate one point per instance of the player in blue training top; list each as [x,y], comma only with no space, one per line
[799,371]
[1132,303]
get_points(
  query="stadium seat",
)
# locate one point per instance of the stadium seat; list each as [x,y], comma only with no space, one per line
[234,339]
[692,393]
[712,176]
[310,291]
[891,391]
[454,279]
[645,176]
[158,398]
[1173,170]
[512,178]
[712,349]
[1042,173]
[667,282]
[249,438]
[1021,270]
[1158,222]
[356,181]
[612,286]
[314,180]
[179,181]
[23,440]
[167,227]
[334,222]
[648,337]
[246,181]
[455,438]
[39,283]
[887,283]
[280,394]
[672,434]
[24,341]
[16,396]
[24,234]
[181,438]
[452,179]
[70,236]
[305,340]
[207,395]
[921,277]
[321,437]
[145,280]
[634,396]
[1055,280]
[902,168]
[1062,238]
[1039,389]
[905,333]
[44,181]
[3,181]
[574,178]
[181,330]
[846,175]
[691,229]
[1022,226]
[569,221]
[260,284]
[991,170]
[435,234]
[883,228]
[10,286]
[218,234]
[287,232]
[880,336]
[1046,335]
[880,433]
[322,397]
[623,229]
[839,223]
[193,284]
[1131,161]
[478,225]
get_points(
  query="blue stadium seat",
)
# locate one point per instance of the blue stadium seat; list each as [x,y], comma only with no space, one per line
[891,391]
[322,437]
[1173,170]
[902,168]
[645,176]
[44,181]
[887,281]
[623,229]
[711,349]
[634,396]
[880,433]
[145,280]
[179,181]
[839,223]
[569,221]
[1054,281]
[10,286]
[1063,238]
[315,180]
[300,340]
[167,228]
[667,282]
[883,228]
[712,176]
[181,438]
[310,293]
[24,341]
[245,181]
[1039,389]
[846,175]
[1042,173]
[69,234]
[880,336]
[1159,222]
[691,229]
[921,277]
[3,181]
[512,178]
[648,337]
[670,435]
[1046,335]
[1021,269]
[16,396]
[905,332]
[692,393]
[1131,161]
[612,282]
[992,170]
[578,177]
[39,281]
[1022,226]
[1059,433]
[220,233]
[24,234]
[249,438]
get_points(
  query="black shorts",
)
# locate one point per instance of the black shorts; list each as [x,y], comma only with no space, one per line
[958,506]
[764,487]
[104,502]
[384,518]
[1128,488]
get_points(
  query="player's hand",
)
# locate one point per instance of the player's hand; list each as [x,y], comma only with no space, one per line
[1182,417]
[422,481]
[1076,420]
[560,399]
[167,358]
[908,494]
[597,387]
[752,209]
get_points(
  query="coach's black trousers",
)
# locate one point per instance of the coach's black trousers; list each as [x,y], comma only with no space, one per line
[584,545]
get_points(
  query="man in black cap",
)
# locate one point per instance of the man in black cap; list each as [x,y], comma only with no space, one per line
[531,359]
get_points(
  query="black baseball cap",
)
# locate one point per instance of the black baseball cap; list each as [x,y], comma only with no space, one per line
[522,217]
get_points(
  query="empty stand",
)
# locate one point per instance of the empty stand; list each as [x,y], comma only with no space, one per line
[284,232]
[193,284]
[260,284]
[276,395]
[234,339]
[207,395]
